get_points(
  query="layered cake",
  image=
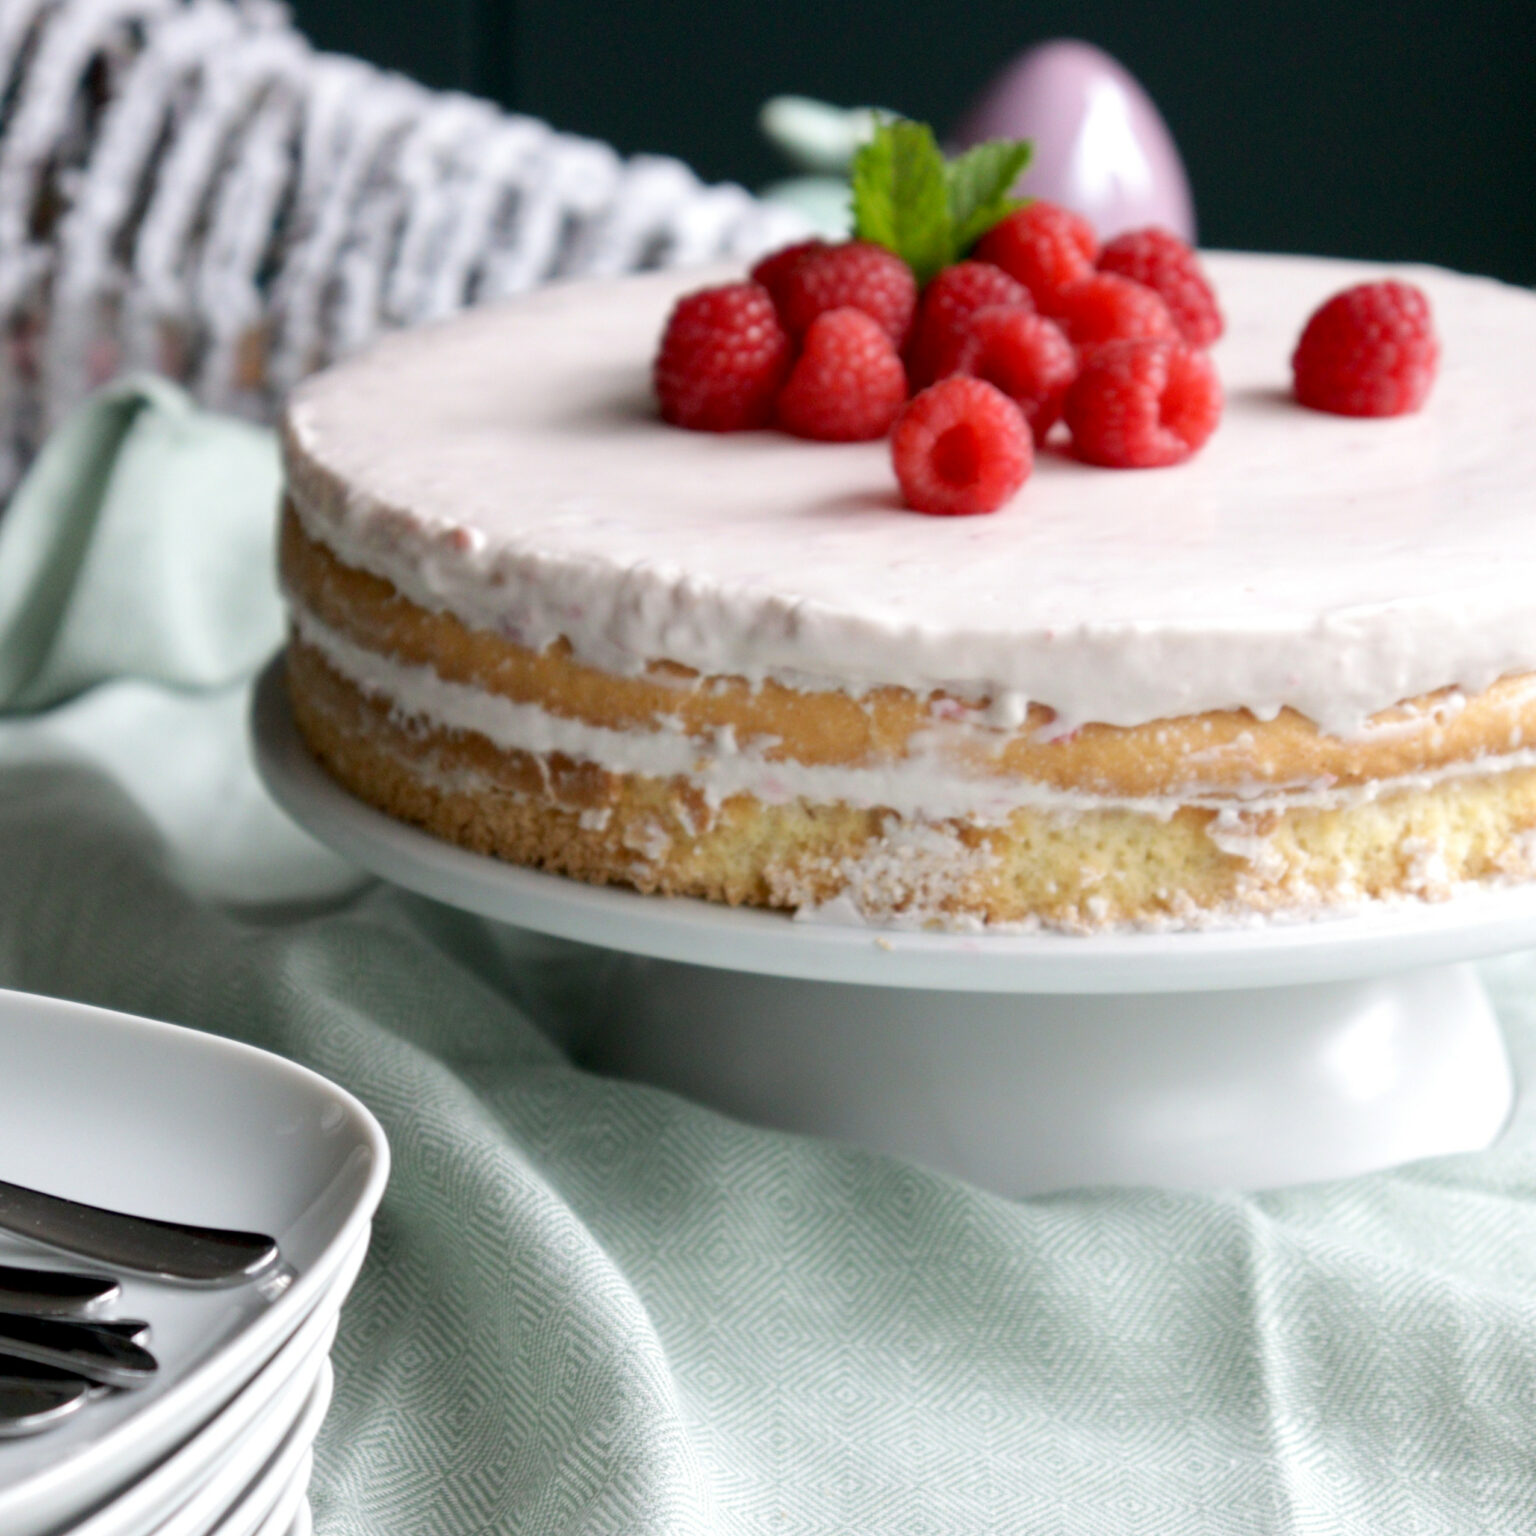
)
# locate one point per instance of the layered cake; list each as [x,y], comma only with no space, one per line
[1294,673]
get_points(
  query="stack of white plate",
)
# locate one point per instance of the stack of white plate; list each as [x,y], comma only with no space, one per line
[165,1122]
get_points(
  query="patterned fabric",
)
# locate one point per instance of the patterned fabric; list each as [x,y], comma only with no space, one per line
[591,1307]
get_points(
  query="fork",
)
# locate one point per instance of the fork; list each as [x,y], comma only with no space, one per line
[143,1245]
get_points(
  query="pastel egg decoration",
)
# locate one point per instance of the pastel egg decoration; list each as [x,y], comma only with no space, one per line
[1101,146]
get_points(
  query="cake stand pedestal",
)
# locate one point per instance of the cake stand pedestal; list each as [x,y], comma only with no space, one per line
[1248,1058]
[1024,1093]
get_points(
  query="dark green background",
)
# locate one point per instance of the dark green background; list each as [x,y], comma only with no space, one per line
[1386,131]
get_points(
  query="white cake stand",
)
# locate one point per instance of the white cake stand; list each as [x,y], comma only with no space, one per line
[1249,1057]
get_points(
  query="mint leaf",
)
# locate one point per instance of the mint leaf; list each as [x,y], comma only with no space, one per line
[930,214]
[980,185]
[901,196]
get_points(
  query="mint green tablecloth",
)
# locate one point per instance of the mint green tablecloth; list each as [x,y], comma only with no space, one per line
[592,1307]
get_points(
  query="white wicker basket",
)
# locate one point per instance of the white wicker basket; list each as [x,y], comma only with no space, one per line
[186,187]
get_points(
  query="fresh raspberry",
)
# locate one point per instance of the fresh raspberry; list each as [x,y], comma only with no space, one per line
[1044,246]
[848,383]
[1369,351]
[856,274]
[1023,353]
[1159,260]
[1104,307]
[1143,404]
[722,360]
[949,301]
[961,446]
[772,269]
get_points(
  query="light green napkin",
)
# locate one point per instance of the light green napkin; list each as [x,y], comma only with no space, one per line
[591,1307]
[138,547]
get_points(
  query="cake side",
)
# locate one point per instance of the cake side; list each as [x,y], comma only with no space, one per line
[1080,871]
[1226,755]
[891,807]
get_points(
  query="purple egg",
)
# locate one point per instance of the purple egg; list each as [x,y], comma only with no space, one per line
[1101,147]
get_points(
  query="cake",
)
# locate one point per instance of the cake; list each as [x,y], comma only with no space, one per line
[1293,674]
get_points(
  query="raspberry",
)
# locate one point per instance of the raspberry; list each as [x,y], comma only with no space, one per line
[1159,260]
[1104,307]
[1369,351]
[772,269]
[949,301]
[1045,247]
[1023,353]
[961,446]
[857,275]
[848,383]
[723,357]
[1143,404]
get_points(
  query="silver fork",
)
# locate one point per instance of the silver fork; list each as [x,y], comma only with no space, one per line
[142,1245]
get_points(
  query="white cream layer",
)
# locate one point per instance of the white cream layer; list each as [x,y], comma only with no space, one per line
[927,786]
[508,467]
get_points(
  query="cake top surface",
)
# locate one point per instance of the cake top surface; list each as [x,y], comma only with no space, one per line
[509,466]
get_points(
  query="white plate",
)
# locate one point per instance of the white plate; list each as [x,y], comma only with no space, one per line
[141,1116]
[269,1404]
[141,1507]
[245,1487]
[1385,937]
[285,1512]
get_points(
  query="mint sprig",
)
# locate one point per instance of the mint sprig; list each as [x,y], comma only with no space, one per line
[901,195]
[930,212]
[980,182]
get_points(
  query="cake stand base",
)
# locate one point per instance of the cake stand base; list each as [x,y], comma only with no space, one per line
[1027,1093]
